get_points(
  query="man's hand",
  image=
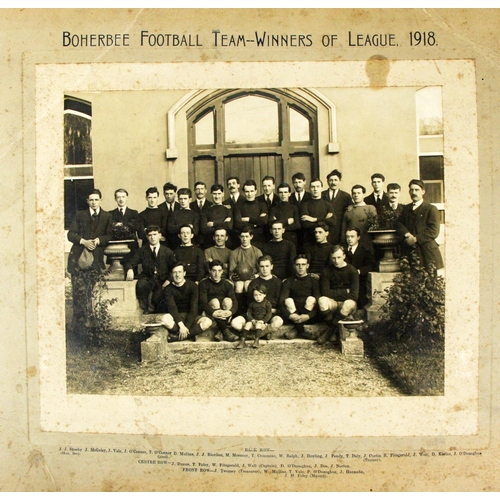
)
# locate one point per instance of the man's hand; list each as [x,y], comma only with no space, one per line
[308,218]
[222,314]
[291,220]
[165,284]
[410,239]
[130,275]
[89,244]
[259,325]
[245,219]
[183,331]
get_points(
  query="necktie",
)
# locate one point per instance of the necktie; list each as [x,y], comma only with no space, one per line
[268,200]
[232,199]
[414,206]
[349,249]
[377,200]
[200,204]
[153,250]
[94,214]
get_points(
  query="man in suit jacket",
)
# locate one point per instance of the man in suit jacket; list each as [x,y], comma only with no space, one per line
[234,200]
[362,258]
[201,206]
[419,225]
[393,192]
[90,229]
[300,195]
[126,217]
[156,261]
[379,197]
[270,198]
[340,200]
[169,205]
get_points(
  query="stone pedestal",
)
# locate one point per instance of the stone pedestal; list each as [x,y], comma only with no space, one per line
[376,289]
[155,347]
[125,311]
[350,343]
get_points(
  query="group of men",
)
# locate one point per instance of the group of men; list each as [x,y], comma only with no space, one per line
[243,262]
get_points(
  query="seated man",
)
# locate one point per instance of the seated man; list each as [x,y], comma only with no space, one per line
[339,285]
[282,251]
[218,301]
[219,251]
[299,296]
[183,216]
[273,287]
[156,261]
[320,251]
[191,254]
[181,302]
[362,258]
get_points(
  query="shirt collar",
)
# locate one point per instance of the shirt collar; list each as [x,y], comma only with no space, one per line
[97,210]
[417,204]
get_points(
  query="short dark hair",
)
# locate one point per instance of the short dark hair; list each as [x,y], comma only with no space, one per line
[265,257]
[186,225]
[260,288]
[352,228]
[284,185]
[334,172]
[152,190]
[378,176]
[250,182]
[393,185]
[268,178]
[358,186]
[316,179]
[237,179]
[322,225]
[277,221]
[152,228]
[298,175]
[95,191]
[184,191]
[217,187]
[418,182]
[199,183]
[247,228]
[120,190]
[177,264]
[169,186]
[300,256]
[218,227]
[214,263]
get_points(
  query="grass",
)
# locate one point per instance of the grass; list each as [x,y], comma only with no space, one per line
[416,366]
[280,369]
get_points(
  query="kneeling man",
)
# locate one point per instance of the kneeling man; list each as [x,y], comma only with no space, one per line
[339,284]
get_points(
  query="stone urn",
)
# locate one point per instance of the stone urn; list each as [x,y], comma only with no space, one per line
[116,251]
[387,240]
[351,344]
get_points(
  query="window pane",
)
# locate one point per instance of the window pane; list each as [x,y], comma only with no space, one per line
[77,139]
[250,120]
[204,129]
[431,168]
[429,111]
[75,197]
[299,126]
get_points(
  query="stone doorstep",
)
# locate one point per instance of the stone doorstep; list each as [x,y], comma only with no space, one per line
[224,344]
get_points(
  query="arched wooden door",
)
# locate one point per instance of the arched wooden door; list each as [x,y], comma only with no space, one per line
[252,133]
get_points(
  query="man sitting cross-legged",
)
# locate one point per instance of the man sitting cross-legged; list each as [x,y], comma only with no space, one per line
[218,301]
[181,302]
[273,288]
[299,296]
[156,261]
[339,284]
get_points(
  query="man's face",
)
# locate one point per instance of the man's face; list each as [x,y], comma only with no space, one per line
[301,267]
[378,185]
[338,258]
[217,196]
[357,195]
[152,199]
[220,238]
[298,185]
[265,269]
[246,239]
[268,187]
[284,194]
[94,201]
[216,273]
[316,188]
[333,182]
[169,195]
[186,235]
[393,195]
[258,296]
[121,199]
[233,186]
[200,191]
[320,235]
[184,200]
[277,230]
[416,193]
[249,192]
[153,237]
[178,275]
[352,238]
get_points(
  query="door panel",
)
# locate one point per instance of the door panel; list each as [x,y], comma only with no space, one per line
[254,167]
[204,171]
